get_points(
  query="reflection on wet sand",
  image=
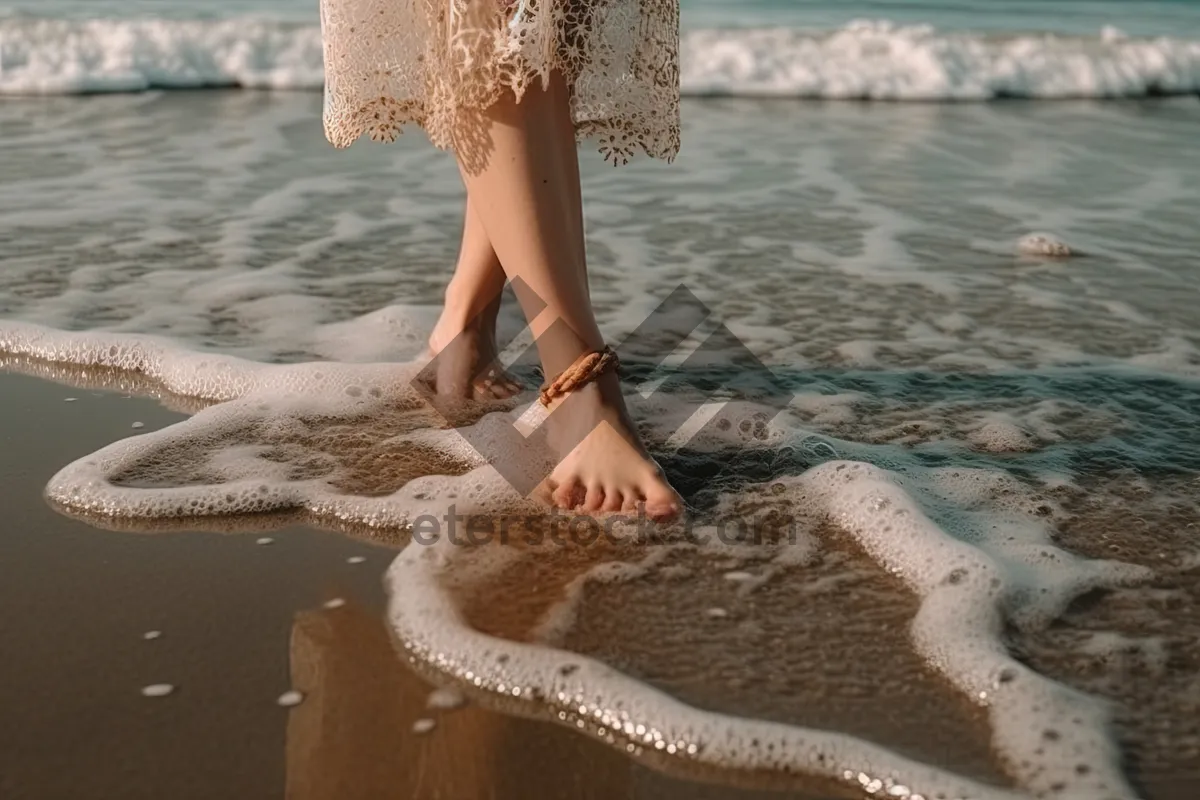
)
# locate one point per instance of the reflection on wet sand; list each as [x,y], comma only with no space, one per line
[102,379]
[239,525]
[353,736]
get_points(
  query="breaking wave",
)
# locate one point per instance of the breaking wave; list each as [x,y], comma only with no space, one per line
[863,60]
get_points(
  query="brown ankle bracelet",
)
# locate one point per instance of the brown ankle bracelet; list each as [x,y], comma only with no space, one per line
[587,368]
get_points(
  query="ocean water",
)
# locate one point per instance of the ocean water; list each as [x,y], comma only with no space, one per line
[882,49]
[982,312]
[1143,17]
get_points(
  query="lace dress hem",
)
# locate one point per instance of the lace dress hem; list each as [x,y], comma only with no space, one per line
[440,63]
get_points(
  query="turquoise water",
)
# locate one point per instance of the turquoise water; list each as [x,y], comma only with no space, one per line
[1140,17]
[1152,17]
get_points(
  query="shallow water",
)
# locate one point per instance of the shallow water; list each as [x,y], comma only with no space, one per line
[1180,17]
[822,234]
[1022,410]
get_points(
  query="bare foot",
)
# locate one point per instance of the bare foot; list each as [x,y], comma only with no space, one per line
[463,344]
[605,468]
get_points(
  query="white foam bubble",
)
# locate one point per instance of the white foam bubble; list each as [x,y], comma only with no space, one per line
[290,698]
[157,690]
[423,726]
[1143,655]
[445,698]
[998,433]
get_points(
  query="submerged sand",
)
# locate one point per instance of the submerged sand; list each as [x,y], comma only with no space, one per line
[244,622]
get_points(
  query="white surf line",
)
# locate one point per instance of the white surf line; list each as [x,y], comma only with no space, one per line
[86,486]
[252,393]
[200,375]
[1053,739]
[206,376]
[588,695]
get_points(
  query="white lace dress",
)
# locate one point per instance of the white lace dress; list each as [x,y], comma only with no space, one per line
[439,63]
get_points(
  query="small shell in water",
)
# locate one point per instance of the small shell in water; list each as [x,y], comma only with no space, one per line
[1043,244]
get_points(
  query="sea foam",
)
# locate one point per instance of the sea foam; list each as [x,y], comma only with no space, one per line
[58,56]
[974,545]
[865,59]
[1053,739]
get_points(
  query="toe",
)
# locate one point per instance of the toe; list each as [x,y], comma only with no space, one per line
[613,500]
[508,384]
[568,494]
[504,390]
[632,497]
[662,503]
[498,384]
[595,498]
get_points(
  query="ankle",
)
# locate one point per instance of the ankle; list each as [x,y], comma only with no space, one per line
[560,347]
[465,306]
[459,303]
[602,393]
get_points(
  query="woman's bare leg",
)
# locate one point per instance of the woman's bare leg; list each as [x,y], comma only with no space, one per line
[464,338]
[568,162]
[528,205]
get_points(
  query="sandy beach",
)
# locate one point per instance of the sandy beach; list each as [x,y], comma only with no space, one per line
[931,397]
[243,622]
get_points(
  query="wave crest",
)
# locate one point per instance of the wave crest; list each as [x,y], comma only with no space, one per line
[863,60]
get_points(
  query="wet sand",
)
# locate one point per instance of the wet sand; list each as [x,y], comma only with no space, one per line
[241,624]
[77,601]
[244,622]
